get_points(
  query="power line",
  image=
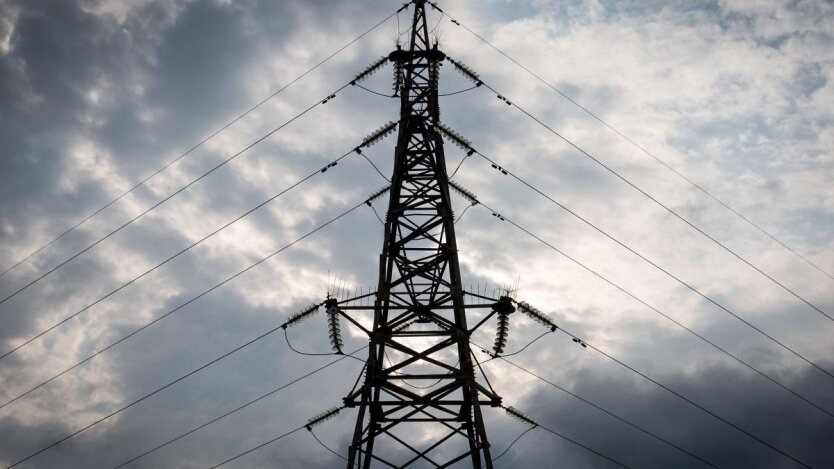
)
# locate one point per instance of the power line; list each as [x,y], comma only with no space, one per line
[503,453]
[284,435]
[193,299]
[525,347]
[687,285]
[297,183]
[462,160]
[494,356]
[182,251]
[175,193]
[309,354]
[374,166]
[675,393]
[650,197]
[462,213]
[236,409]
[641,148]
[601,409]
[146,396]
[214,134]
[374,92]
[553,432]
[453,93]
[324,445]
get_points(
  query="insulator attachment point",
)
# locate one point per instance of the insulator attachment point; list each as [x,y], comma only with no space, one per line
[322,417]
[520,416]
[333,326]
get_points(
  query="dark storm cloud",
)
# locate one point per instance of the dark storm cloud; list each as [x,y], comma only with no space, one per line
[742,398]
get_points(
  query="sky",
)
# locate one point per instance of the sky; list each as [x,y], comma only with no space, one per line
[95,96]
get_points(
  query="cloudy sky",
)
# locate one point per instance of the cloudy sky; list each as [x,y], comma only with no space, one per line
[96,95]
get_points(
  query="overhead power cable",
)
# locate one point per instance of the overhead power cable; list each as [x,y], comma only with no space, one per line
[146,396]
[309,354]
[202,142]
[236,409]
[504,170]
[187,248]
[494,356]
[633,370]
[536,339]
[643,149]
[601,409]
[178,191]
[193,299]
[555,433]
[324,445]
[659,203]
[510,446]
[516,414]
[267,443]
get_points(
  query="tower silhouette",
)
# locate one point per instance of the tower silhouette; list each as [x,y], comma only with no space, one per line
[420,402]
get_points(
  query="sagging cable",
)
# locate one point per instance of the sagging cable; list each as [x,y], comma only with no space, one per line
[377,135]
[369,70]
[536,315]
[333,325]
[464,193]
[301,315]
[456,139]
[517,414]
[466,71]
[322,417]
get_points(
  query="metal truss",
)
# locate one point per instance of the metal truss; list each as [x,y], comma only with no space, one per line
[420,402]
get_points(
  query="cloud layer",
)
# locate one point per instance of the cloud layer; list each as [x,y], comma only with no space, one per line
[97,95]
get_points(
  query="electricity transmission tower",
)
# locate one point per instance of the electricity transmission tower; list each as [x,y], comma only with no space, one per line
[420,402]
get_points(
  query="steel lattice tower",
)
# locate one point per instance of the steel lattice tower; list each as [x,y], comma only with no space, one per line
[419,311]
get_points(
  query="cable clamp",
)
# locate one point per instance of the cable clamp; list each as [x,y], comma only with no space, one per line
[499,168]
[324,170]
